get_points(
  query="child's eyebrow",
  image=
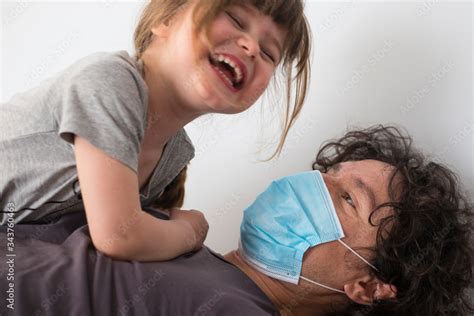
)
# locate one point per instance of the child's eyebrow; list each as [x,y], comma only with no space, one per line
[276,43]
[245,7]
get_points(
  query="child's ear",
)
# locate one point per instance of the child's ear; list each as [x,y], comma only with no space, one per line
[162,30]
[367,289]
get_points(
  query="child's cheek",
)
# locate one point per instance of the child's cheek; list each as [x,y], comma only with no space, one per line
[220,32]
[266,74]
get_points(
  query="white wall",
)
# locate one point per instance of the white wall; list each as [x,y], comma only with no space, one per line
[404,62]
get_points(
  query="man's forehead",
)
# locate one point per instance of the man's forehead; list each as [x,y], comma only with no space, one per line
[366,164]
[371,175]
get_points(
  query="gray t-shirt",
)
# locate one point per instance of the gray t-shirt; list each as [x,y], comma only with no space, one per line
[102,98]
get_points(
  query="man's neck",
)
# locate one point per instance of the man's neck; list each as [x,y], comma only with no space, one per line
[263,282]
[287,301]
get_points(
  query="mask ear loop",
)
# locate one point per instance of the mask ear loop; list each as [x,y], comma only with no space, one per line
[360,257]
[331,288]
[322,285]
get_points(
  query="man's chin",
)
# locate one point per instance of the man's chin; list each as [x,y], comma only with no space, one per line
[233,254]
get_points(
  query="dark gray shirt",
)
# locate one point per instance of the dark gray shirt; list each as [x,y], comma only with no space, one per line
[57,271]
[102,98]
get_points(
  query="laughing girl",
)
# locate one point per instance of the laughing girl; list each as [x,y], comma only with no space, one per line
[114,122]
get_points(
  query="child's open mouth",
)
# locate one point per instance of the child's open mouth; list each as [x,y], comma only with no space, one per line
[229,71]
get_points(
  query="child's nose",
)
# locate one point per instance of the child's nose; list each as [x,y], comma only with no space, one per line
[250,46]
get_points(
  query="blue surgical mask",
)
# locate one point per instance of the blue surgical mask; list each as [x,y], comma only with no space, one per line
[293,214]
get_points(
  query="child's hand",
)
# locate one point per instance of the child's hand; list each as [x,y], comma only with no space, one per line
[196,225]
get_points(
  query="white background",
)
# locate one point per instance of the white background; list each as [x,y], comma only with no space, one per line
[402,62]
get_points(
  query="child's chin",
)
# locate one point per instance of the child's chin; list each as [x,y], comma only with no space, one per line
[225,108]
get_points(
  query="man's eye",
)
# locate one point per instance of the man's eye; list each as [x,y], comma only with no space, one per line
[234,19]
[349,200]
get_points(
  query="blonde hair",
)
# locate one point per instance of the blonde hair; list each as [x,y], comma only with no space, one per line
[286,13]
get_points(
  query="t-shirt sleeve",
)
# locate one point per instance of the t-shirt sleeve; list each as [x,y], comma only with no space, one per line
[102,99]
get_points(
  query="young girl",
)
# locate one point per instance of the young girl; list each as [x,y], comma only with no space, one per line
[115,123]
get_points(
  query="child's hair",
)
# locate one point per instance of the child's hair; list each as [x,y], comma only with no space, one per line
[286,13]
[173,194]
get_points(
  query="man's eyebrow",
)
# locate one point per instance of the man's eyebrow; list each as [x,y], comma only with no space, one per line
[336,167]
[367,190]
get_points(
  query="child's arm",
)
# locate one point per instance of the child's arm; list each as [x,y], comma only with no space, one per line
[118,226]
[185,231]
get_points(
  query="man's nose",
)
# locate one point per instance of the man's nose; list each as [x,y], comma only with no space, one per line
[250,45]
[331,184]
[326,177]
[329,180]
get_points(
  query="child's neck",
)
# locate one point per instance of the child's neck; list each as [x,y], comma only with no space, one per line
[165,114]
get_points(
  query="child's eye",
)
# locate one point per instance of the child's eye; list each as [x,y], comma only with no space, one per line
[269,56]
[234,19]
[349,200]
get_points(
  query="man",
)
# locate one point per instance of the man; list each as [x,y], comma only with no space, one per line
[408,211]
[379,231]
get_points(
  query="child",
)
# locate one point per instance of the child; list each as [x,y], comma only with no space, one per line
[115,123]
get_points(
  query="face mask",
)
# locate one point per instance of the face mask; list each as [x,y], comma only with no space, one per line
[293,214]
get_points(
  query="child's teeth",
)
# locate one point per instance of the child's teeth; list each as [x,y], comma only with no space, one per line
[228,80]
[239,74]
[238,71]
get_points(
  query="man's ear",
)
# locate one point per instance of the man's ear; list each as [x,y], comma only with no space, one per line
[367,289]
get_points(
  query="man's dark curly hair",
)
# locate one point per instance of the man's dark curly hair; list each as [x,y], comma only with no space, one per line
[427,253]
